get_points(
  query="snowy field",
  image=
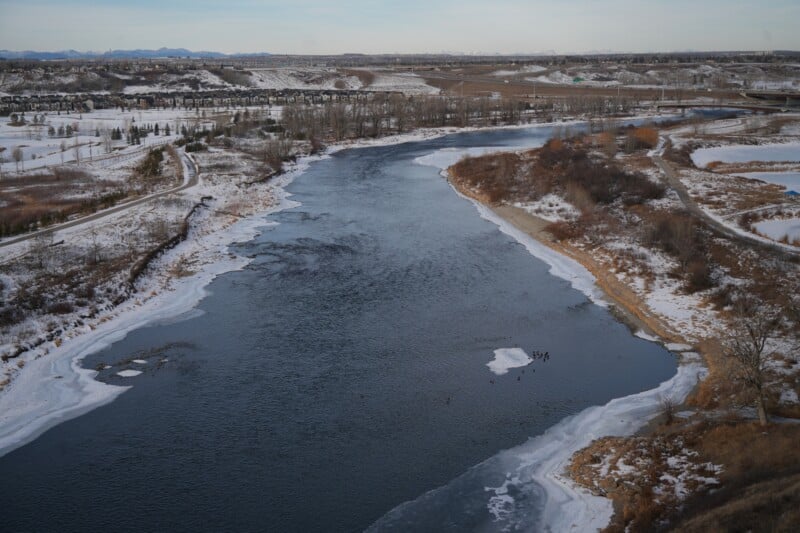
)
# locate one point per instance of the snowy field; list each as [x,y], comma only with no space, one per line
[90,144]
[297,78]
[40,150]
[404,82]
[302,78]
[529,69]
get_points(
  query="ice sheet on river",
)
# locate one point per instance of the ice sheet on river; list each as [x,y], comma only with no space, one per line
[524,489]
[741,153]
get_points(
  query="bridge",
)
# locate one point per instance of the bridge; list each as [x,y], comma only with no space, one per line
[763,108]
[784,98]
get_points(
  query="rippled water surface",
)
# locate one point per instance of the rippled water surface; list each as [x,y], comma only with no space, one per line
[340,374]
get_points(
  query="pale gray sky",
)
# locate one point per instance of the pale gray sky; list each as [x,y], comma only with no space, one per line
[410,26]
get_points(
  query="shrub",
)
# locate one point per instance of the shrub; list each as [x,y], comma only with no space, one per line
[60,308]
[639,138]
[196,146]
[563,230]
[151,166]
[698,275]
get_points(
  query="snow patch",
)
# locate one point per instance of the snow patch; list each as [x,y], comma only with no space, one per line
[780,229]
[552,208]
[528,69]
[129,373]
[676,347]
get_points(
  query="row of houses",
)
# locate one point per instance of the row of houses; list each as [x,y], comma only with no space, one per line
[190,99]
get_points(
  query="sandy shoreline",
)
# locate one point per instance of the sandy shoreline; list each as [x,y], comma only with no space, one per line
[629,307]
[544,459]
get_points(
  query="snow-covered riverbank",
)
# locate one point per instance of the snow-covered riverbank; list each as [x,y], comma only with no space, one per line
[79,392]
[540,464]
[52,387]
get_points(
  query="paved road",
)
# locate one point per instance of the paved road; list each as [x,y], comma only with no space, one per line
[189,181]
[715,225]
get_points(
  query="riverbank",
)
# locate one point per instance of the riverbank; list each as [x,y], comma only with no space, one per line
[627,305]
[617,217]
[583,280]
[545,459]
[50,386]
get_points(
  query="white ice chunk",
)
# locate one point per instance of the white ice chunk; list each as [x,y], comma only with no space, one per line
[676,347]
[508,358]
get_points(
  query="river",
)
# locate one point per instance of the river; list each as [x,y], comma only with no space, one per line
[341,373]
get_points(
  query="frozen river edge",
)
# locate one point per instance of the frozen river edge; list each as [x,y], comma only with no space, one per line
[542,460]
[33,404]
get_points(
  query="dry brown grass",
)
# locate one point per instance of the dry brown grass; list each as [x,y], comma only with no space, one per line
[637,474]
[771,506]
[478,83]
[491,176]
[47,197]
[748,453]
[760,483]
[646,136]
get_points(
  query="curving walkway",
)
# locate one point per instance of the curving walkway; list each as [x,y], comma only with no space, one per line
[191,173]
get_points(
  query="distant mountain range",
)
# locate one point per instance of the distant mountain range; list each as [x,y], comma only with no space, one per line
[118,54]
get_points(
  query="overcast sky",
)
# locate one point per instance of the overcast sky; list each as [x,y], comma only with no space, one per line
[404,26]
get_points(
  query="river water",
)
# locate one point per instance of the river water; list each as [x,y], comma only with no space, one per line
[340,374]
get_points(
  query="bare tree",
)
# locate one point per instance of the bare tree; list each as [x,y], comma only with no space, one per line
[41,248]
[19,157]
[77,150]
[754,325]
[108,141]
[95,248]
